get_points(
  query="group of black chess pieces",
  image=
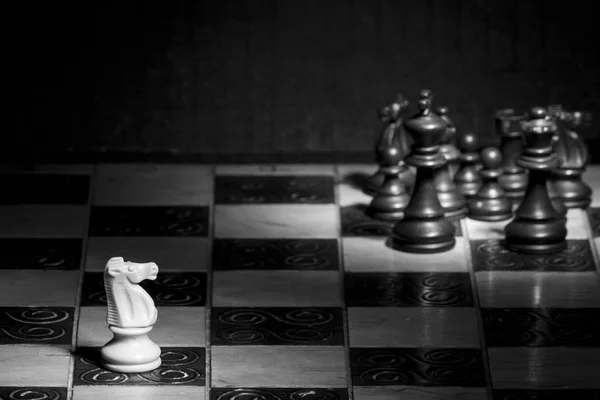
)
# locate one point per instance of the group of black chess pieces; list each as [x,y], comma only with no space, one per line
[429,177]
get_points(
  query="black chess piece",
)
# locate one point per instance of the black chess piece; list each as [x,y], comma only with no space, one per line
[392,140]
[514,178]
[573,158]
[490,203]
[537,226]
[448,142]
[392,198]
[555,198]
[467,179]
[452,201]
[424,228]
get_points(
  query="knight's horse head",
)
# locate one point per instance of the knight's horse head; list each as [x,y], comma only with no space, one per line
[120,269]
[128,304]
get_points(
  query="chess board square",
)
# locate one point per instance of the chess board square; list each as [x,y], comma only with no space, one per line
[371,254]
[241,189]
[149,221]
[544,367]
[36,325]
[182,366]
[30,392]
[546,394]
[27,188]
[351,196]
[277,326]
[492,255]
[278,393]
[153,185]
[278,366]
[38,288]
[429,327]
[356,176]
[351,190]
[276,289]
[139,392]
[266,221]
[594,220]
[43,221]
[169,289]
[356,222]
[418,393]
[506,289]
[47,254]
[47,366]
[171,254]
[417,367]
[408,289]
[363,171]
[537,327]
[175,326]
[271,254]
[275,169]
[480,230]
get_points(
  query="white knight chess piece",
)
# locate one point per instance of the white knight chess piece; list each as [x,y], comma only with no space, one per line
[131,315]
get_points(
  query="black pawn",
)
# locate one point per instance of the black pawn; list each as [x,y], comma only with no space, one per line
[424,228]
[392,198]
[514,178]
[555,198]
[452,201]
[490,203]
[448,142]
[467,179]
[537,226]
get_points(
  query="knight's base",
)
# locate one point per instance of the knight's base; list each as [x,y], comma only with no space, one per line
[131,351]
[132,369]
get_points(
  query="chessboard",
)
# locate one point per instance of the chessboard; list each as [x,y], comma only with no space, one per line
[275,285]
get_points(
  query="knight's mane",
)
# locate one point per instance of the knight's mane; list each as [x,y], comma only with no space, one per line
[113,317]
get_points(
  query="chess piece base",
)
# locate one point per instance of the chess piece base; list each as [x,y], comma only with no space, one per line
[490,210]
[131,351]
[536,237]
[386,216]
[456,214]
[451,200]
[423,237]
[547,248]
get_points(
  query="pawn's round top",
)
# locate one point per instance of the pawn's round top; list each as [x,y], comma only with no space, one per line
[426,94]
[468,142]
[442,111]
[491,157]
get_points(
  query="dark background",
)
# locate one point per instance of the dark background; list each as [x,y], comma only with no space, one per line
[250,79]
